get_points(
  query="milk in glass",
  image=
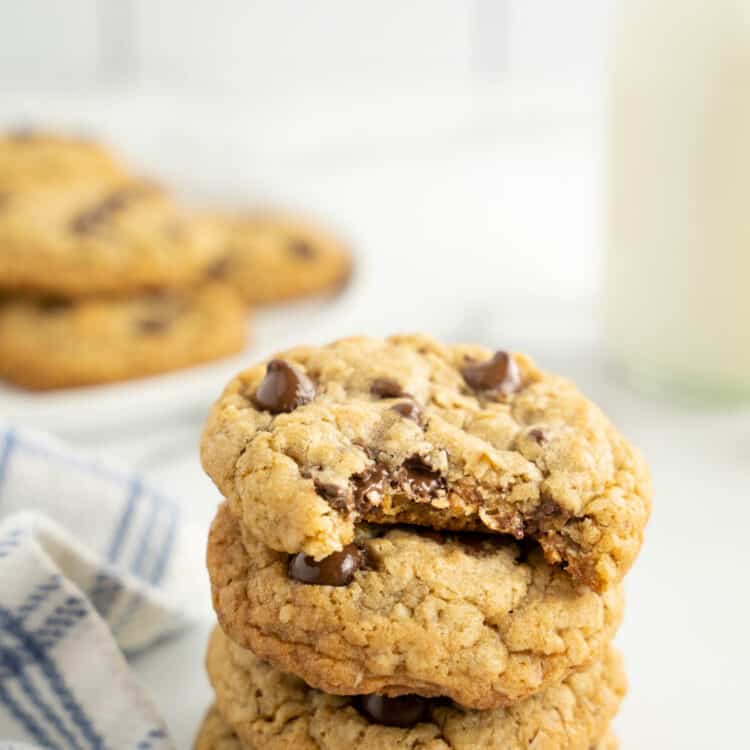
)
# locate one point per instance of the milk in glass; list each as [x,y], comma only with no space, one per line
[677,279]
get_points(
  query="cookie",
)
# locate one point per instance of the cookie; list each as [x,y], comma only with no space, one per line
[408,430]
[277,711]
[275,257]
[57,343]
[216,734]
[475,618]
[33,158]
[101,236]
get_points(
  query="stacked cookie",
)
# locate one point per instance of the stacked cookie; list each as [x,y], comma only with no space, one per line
[104,277]
[421,546]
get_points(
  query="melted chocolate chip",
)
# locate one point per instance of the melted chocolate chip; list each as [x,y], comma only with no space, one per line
[328,490]
[284,388]
[337,497]
[539,436]
[408,409]
[337,569]
[547,511]
[374,480]
[498,375]
[419,477]
[386,388]
[302,249]
[402,711]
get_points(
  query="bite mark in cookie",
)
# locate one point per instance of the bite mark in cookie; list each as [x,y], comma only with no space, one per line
[411,431]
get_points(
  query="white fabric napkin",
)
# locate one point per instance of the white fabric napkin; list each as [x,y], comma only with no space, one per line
[96,565]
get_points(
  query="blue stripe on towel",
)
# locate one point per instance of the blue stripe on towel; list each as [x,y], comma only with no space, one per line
[165,552]
[139,560]
[8,445]
[37,652]
[38,596]
[25,719]
[135,490]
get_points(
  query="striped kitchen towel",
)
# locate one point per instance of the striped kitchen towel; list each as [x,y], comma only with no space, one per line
[95,565]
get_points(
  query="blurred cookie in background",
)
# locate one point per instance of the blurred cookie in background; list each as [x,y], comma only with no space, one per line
[273,256]
[30,157]
[56,343]
[103,235]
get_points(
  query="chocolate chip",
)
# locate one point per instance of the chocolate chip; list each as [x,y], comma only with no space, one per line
[386,388]
[337,569]
[54,305]
[371,481]
[408,409]
[499,375]
[94,216]
[402,711]
[284,388]
[218,269]
[538,435]
[302,249]
[153,325]
[419,477]
[22,135]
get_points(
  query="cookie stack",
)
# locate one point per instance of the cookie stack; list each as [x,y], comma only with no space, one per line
[104,277]
[421,546]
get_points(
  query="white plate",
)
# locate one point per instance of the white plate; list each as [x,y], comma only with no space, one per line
[79,411]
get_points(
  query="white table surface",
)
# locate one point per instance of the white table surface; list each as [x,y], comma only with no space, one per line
[436,257]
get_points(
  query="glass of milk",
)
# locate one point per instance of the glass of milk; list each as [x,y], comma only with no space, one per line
[677,278]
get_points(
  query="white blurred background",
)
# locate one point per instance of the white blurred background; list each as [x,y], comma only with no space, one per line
[468,125]
[461,145]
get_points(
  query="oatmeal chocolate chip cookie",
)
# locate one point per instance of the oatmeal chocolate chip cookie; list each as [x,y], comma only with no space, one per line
[104,236]
[274,257]
[216,734]
[277,711]
[33,158]
[407,430]
[405,610]
[56,343]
